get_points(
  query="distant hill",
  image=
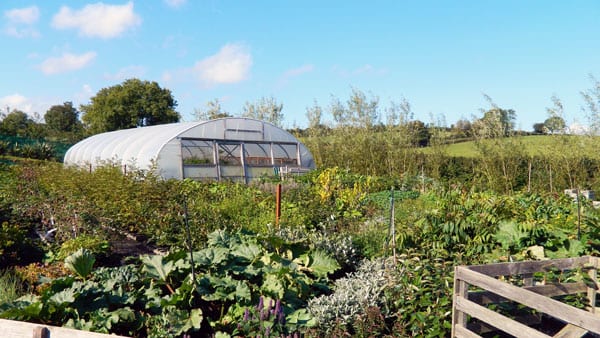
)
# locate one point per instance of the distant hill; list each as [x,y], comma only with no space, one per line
[537,145]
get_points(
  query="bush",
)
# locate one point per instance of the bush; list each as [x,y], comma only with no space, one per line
[354,296]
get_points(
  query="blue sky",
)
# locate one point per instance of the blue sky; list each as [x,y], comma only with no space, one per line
[441,56]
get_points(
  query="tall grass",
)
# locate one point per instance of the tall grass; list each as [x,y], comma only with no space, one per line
[10,286]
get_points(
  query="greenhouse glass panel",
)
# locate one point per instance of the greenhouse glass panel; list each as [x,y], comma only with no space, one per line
[257,154]
[285,154]
[197,152]
[230,154]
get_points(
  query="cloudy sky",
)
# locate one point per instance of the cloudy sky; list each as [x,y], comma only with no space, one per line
[441,56]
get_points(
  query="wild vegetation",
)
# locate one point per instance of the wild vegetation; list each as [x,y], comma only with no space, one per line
[137,255]
[327,268]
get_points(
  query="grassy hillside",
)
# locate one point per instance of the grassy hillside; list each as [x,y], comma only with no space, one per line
[537,145]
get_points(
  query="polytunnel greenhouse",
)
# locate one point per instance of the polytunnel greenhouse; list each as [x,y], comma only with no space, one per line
[238,149]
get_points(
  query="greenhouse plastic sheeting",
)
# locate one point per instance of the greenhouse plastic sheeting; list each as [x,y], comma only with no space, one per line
[160,146]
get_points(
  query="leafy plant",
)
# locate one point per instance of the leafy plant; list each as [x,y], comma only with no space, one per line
[81,263]
[353,296]
[11,287]
[265,320]
[94,244]
[164,298]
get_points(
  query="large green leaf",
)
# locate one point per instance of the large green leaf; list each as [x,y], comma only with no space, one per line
[81,263]
[509,234]
[273,286]
[321,264]
[62,297]
[213,288]
[155,267]
[211,256]
[246,250]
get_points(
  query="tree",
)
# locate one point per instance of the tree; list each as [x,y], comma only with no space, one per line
[363,112]
[464,127]
[265,109]
[313,114]
[555,123]
[62,118]
[134,103]
[540,128]
[419,132]
[496,122]
[592,108]
[16,123]
[213,111]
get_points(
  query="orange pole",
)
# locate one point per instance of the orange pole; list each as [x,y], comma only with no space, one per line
[278,204]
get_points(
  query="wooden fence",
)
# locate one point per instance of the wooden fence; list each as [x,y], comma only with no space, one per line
[16,329]
[485,296]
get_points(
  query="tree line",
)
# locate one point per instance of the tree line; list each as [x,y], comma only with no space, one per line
[136,103]
[362,136]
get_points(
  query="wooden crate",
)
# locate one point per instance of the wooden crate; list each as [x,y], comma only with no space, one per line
[476,287]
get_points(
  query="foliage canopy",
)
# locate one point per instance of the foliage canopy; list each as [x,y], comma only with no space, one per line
[134,103]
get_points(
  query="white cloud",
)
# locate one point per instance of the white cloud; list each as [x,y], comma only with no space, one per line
[19,22]
[127,73]
[34,108]
[230,65]
[175,3]
[27,15]
[66,63]
[98,20]
[15,101]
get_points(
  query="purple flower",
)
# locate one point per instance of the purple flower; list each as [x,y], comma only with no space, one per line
[246,314]
[278,306]
[261,304]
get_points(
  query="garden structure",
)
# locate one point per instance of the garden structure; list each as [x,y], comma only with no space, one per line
[549,298]
[237,149]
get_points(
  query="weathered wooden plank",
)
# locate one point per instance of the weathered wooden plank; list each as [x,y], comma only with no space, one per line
[571,331]
[461,289]
[548,290]
[520,268]
[499,321]
[480,327]
[463,332]
[591,291]
[17,329]
[541,303]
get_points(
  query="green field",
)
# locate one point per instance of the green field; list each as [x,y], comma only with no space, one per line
[535,145]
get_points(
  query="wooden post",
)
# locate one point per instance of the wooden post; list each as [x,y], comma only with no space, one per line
[591,292]
[41,332]
[461,289]
[278,205]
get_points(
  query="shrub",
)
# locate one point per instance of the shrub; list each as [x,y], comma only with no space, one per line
[353,296]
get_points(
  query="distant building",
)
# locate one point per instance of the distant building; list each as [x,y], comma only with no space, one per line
[238,149]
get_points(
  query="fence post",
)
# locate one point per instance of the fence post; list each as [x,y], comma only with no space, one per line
[41,332]
[461,289]
[591,291]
